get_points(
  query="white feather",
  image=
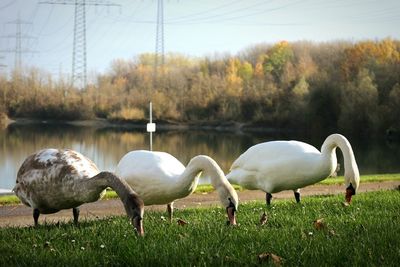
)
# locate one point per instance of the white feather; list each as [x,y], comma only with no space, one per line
[159,178]
[289,165]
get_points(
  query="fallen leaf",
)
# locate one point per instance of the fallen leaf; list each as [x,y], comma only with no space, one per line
[263,219]
[181,222]
[319,224]
[276,260]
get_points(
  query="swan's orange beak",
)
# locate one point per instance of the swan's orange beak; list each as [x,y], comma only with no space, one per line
[137,223]
[350,191]
[231,211]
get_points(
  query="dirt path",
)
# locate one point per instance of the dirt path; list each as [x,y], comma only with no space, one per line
[20,215]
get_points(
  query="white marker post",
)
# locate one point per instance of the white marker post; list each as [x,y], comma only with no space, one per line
[151,127]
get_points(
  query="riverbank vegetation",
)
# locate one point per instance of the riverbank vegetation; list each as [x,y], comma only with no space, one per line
[319,232]
[351,87]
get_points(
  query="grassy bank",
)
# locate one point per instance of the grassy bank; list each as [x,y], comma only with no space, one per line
[205,188]
[364,233]
[372,178]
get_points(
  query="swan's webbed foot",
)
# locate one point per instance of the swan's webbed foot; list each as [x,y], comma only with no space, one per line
[36,214]
[268,198]
[170,210]
[75,212]
[297,195]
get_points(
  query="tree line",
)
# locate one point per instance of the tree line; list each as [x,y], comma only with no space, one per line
[351,87]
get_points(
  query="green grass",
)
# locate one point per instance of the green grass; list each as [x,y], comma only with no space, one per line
[364,178]
[206,188]
[365,233]
[9,199]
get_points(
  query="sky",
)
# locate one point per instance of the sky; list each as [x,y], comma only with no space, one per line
[191,27]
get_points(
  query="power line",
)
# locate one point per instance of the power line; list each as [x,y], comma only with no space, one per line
[231,17]
[7,5]
[208,11]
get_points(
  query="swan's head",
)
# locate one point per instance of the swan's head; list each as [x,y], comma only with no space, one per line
[352,181]
[134,207]
[227,194]
[231,202]
[231,211]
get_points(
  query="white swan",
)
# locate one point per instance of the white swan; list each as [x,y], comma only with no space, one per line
[51,180]
[159,178]
[290,165]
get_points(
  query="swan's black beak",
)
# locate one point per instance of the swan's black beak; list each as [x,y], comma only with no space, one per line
[231,211]
[137,223]
[350,191]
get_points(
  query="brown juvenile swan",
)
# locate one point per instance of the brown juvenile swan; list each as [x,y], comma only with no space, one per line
[52,180]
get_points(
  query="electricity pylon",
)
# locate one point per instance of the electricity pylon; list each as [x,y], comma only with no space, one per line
[18,43]
[79,55]
[159,56]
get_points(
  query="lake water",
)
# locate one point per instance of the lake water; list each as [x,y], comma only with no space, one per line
[106,146]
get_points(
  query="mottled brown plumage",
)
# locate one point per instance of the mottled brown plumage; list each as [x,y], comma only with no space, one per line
[52,179]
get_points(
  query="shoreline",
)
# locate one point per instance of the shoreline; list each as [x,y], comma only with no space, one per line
[222,126]
[231,126]
[20,215]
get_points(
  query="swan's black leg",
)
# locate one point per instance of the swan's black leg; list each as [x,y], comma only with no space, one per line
[36,214]
[268,198]
[297,195]
[75,211]
[170,210]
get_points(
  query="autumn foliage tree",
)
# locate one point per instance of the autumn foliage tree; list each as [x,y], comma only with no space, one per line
[314,87]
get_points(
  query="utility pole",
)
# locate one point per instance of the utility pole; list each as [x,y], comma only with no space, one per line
[18,42]
[151,127]
[79,62]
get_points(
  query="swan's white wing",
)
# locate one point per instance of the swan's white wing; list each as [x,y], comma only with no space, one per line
[256,156]
[153,175]
[275,166]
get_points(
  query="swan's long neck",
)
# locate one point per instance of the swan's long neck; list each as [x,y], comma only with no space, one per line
[132,202]
[105,179]
[328,150]
[207,166]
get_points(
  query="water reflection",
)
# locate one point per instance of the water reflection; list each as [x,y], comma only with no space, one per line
[106,146]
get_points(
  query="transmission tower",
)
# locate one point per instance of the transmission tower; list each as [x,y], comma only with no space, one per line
[79,74]
[159,52]
[79,63]
[160,33]
[18,42]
